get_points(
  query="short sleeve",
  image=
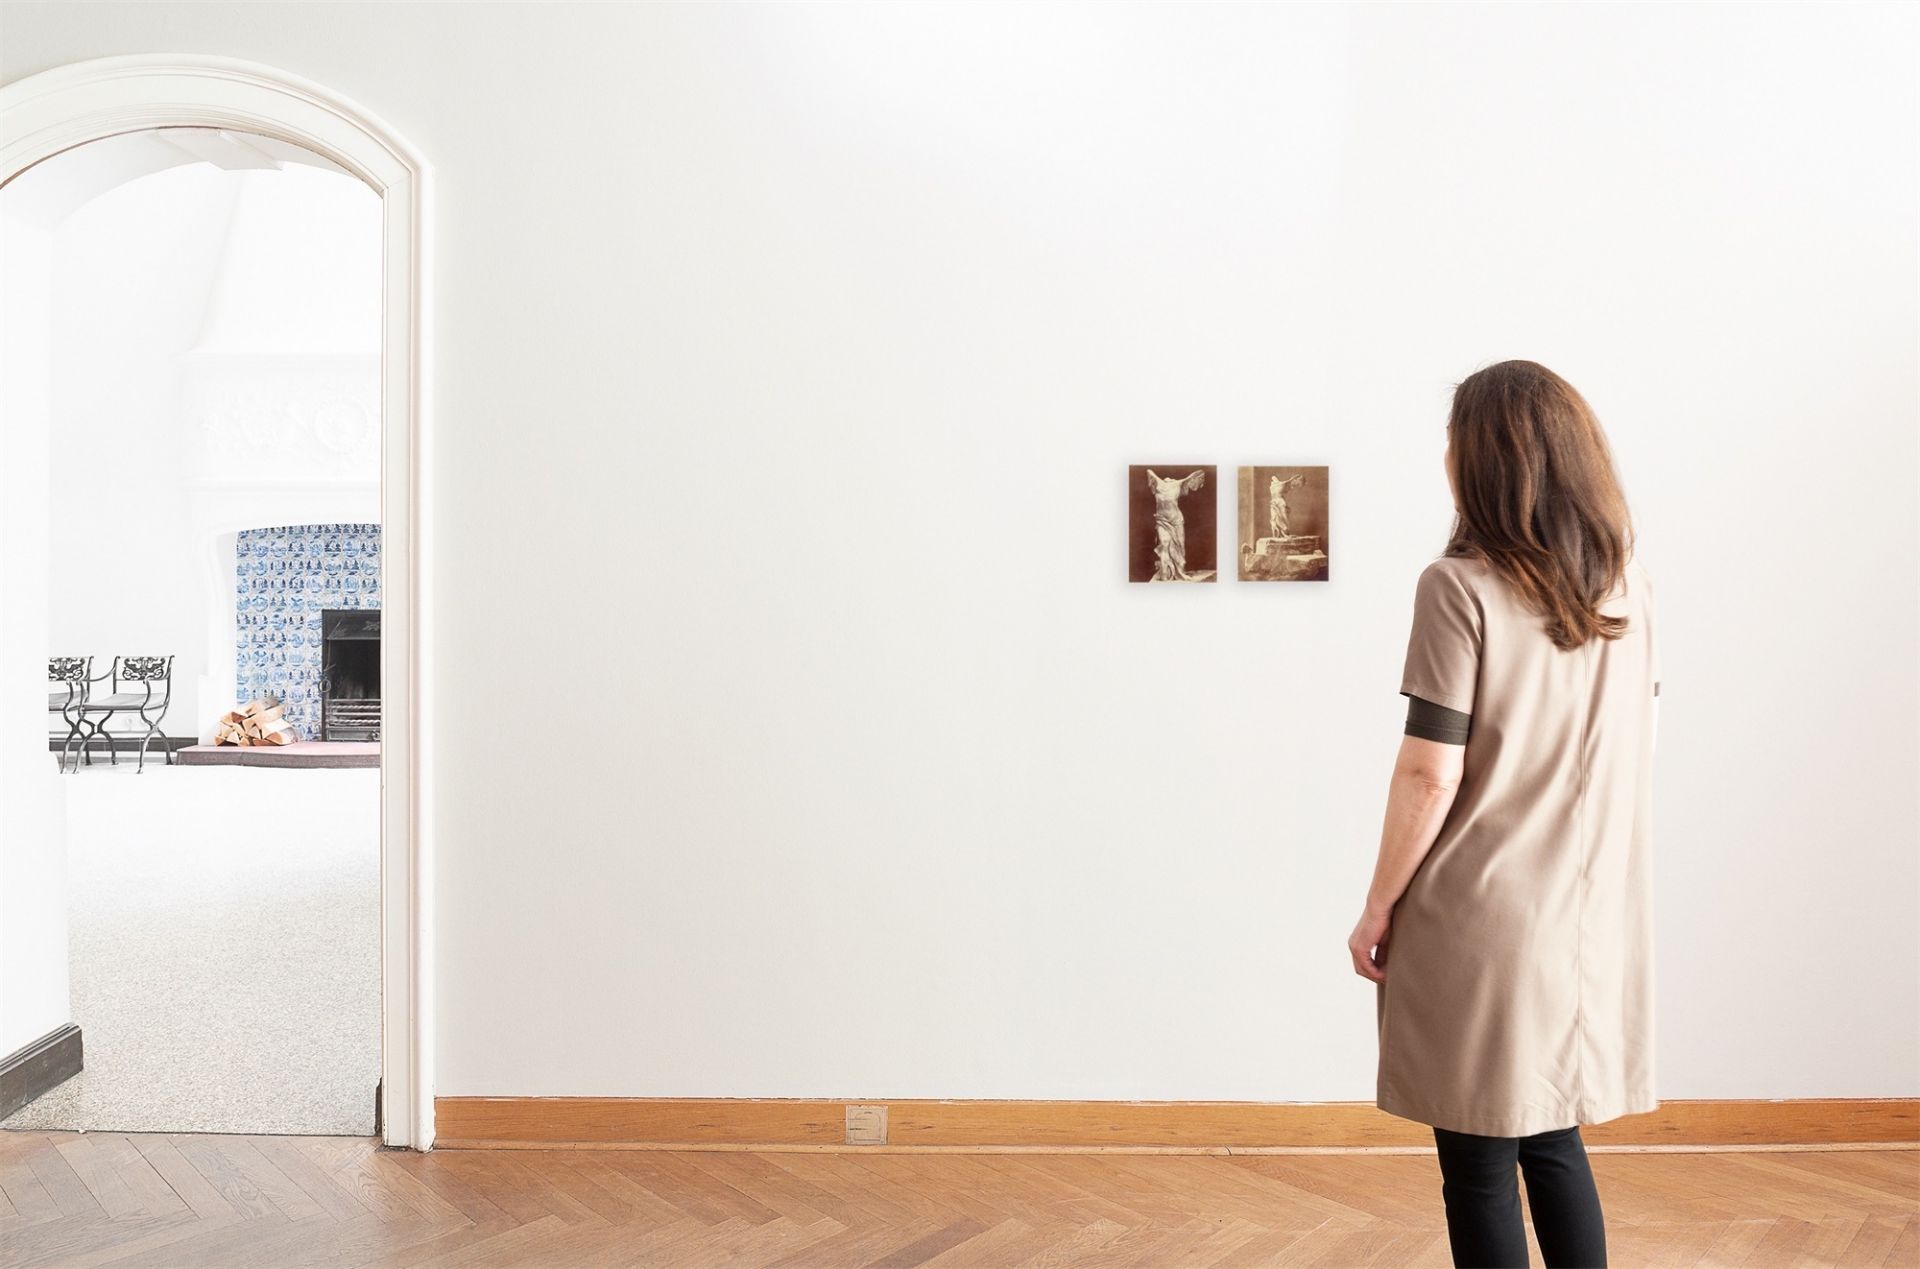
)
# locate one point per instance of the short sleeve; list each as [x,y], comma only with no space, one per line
[1443,649]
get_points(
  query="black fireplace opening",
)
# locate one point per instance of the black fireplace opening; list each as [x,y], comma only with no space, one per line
[350,674]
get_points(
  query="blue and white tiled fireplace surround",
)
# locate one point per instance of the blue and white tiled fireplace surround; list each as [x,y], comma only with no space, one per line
[286,578]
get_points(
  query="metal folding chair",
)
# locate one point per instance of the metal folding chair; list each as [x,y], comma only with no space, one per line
[94,712]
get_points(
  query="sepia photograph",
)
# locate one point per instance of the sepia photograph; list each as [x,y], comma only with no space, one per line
[1171,524]
[1283,524]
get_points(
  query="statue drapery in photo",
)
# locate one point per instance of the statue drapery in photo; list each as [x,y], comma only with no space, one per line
[1170,526]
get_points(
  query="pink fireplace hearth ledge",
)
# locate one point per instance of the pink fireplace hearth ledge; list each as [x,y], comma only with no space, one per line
[301,753]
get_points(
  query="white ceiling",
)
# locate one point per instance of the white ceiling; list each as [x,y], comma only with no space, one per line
[49,192]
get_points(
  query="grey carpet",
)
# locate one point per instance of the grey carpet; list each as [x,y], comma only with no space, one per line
[224,930]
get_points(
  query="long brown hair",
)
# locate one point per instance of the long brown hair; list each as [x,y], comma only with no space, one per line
[1538,496]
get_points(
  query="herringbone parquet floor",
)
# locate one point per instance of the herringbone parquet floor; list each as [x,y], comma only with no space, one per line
[264,1202]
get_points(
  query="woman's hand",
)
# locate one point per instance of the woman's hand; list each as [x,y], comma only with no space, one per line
[1368,943]
[1426,776]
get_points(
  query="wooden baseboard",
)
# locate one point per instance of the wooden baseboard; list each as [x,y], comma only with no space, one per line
[32,1069]
[1212,1127]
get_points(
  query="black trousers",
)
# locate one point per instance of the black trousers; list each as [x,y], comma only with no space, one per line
[1483,1200]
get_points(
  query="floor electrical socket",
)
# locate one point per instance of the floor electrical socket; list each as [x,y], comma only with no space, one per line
[866,1125]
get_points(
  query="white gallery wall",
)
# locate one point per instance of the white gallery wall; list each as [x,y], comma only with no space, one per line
[789,360]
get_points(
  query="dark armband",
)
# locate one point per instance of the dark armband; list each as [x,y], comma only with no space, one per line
[1429,721]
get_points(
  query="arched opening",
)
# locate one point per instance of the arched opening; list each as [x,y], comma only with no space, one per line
[227,104]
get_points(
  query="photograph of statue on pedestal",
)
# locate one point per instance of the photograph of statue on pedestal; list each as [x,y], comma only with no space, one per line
[1172,523]
[1283,524]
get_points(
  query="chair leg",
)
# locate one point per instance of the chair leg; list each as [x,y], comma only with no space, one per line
[98,731]
[153,729]
[76,744]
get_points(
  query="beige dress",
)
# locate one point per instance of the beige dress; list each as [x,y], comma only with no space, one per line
[1519,988]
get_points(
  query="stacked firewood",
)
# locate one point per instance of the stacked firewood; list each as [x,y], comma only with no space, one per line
[257,723]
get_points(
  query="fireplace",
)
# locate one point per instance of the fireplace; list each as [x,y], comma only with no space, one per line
[350,674]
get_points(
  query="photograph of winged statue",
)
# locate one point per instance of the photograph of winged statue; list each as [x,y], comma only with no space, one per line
[1290,505]
[1171,530]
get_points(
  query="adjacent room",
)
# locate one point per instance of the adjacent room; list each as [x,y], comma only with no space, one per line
[209,350]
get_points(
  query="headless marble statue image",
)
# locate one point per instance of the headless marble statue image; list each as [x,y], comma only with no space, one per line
[1289,503]
[1277,503]
[1170,526]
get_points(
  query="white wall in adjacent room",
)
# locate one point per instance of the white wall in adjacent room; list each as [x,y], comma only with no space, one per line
[34,979]
[789,360]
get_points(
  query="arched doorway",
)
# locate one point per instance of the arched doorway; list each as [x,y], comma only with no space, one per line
[71,106]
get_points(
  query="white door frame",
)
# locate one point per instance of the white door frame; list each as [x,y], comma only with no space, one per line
[44,114]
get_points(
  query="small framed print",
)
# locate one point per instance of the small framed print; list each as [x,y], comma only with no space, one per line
[1283,524]
[1172,523]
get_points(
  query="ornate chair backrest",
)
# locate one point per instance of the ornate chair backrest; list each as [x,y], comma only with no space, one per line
[77,674]
[148,670]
